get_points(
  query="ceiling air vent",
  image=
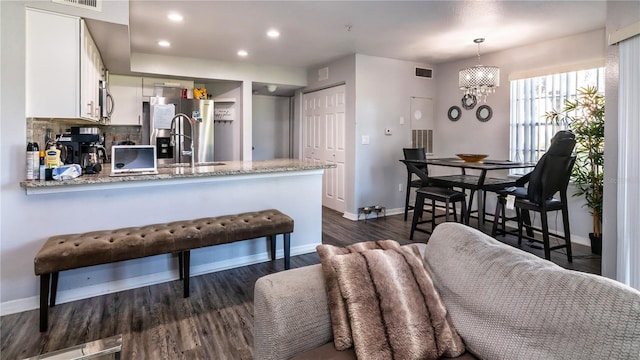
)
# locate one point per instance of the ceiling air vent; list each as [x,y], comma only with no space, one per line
[323,74]
[424,73]
[83,4]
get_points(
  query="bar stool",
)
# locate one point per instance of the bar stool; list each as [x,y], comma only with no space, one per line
[447,196]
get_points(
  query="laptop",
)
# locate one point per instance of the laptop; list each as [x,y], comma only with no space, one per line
[129,160]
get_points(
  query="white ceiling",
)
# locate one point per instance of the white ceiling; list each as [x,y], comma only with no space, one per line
[316,32]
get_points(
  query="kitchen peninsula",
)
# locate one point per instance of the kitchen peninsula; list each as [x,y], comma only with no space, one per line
[199,173]
[102,202]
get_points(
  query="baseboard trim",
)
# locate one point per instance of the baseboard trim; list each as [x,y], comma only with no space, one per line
[33,302]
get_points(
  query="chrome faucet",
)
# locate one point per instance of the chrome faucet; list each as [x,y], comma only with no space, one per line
[174,134]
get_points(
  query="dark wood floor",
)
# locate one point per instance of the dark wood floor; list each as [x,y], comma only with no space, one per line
[216,322]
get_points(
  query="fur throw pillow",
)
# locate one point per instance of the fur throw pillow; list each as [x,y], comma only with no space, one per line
[394,309]
[339,320]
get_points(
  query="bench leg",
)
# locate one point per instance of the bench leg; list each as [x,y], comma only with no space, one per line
[186,261]
[180,265]
[54,289]
[44,301]
[272,246]
[287,251]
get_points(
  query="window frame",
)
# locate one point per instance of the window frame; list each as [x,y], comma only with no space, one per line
[530,98]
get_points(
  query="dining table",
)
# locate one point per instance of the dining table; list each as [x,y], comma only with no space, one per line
[474,183]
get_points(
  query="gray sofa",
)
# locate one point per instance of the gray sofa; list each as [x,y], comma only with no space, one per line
[504,302]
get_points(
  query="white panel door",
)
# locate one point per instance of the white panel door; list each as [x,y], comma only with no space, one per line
[324,136]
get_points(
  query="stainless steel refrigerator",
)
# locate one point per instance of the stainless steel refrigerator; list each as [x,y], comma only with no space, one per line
[162,109]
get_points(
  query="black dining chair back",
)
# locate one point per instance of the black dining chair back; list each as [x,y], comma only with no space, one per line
[420,170]
[414,154]
[549,175]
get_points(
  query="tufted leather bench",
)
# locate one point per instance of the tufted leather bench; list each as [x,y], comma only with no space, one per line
[65,252]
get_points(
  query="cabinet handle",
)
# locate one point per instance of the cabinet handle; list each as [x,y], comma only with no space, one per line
[90,108]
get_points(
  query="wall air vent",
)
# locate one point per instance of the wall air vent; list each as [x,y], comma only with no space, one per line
[424,73]
[83,4]
[422,138]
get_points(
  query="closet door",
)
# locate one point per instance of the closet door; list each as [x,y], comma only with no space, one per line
[324,141]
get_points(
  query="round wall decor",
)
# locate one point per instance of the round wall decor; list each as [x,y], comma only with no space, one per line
[454,113]
[469,101]
[484,113]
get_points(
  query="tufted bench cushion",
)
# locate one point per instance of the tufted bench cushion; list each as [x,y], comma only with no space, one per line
[65,252]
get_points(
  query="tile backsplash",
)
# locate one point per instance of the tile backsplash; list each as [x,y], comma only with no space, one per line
[113,135]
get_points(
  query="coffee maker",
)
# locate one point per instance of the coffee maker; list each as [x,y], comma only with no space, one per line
[82,147]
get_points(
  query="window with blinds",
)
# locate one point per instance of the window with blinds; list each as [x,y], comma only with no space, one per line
[531,98]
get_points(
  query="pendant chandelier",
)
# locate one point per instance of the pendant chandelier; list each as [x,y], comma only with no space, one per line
[479,80]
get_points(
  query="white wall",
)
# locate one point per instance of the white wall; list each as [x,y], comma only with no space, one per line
[468,135]
[384,88]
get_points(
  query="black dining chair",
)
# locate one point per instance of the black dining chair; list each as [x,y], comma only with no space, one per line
[434,193]
[413,154]
[550,176]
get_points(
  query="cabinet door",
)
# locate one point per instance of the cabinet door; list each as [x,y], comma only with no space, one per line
[90,74]
[127,97]
[52,65]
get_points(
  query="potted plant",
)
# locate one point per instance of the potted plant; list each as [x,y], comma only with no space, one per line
[584,115]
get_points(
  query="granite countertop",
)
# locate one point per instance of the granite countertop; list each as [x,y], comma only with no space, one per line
[166,172]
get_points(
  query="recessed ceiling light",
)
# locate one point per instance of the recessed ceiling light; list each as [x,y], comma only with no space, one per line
[164,43]
[273,33]
[242,53]
[174,17]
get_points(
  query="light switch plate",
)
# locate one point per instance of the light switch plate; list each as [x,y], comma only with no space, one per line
[365,139]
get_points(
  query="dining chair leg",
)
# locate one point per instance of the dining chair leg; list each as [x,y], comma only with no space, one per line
[465,213]
[526,218]
[518,212]
[433,214]
[497,215]
[406,201]
[455,212]
[446,211]
[545,234]
[567,231]
[417,213]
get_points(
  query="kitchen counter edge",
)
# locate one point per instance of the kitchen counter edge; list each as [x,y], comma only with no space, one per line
[165,174]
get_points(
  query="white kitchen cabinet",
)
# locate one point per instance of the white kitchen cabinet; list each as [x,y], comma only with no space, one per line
[63,66]
[127,98]
[91,72]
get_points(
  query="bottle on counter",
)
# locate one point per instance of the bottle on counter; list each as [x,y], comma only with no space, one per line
[41,168]
[36,161]
[30,161]
[52,157]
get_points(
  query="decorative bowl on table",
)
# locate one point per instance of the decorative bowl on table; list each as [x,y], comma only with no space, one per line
[471,157]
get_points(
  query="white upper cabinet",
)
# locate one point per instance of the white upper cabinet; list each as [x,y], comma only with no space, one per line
[91,72]
[63,67]
[127,97]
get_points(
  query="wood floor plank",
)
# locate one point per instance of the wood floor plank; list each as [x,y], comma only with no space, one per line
[216,321]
